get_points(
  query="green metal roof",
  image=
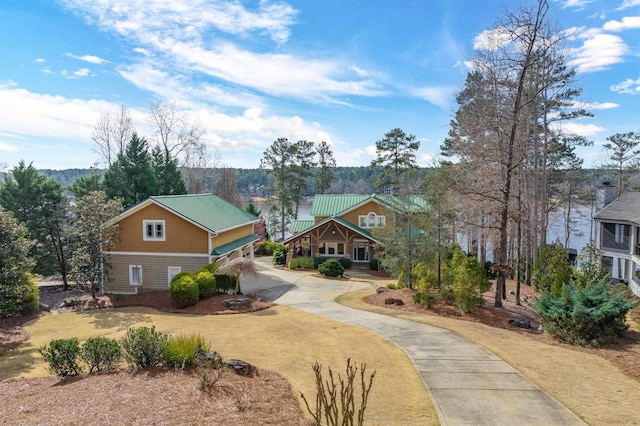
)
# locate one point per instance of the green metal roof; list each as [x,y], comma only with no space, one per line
[339,220]
[335,204]
[236,244]
[300,225]
[207,210]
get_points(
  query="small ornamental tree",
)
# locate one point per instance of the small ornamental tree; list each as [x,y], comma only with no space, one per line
[552,270]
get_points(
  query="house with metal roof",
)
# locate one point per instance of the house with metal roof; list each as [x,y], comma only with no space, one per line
[164,235]
[344,225]
[618,235]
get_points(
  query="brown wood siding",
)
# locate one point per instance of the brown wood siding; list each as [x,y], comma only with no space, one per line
[181,236]
[364,210]
[231,235]
[155,274]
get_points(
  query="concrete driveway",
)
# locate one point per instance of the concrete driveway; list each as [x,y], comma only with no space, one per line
[468,385]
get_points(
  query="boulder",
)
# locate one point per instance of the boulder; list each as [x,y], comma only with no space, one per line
[241,367]
[520,323]
[236,303]
[209,359]
[393,301]
[381,290]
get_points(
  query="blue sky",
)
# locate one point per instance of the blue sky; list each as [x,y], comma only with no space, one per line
[248,72]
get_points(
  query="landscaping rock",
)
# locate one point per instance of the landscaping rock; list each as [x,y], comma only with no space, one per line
[210,359]
[520,323]
[381,290]
[241,367]
[393,301]
[236,303]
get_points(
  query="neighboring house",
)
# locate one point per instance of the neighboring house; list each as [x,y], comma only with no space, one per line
[165,235]
[618,235]
[343,225]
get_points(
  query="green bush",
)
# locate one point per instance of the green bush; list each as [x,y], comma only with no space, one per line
[319,260]
[470,281]
[143,346]
[182,351]
[180,274]
[301,262]
[62,355]
[402,280]
[212,267]
[587,316]
[184,291]
[226,282]
[551,270]
[268,247]
[206,282]
[19,299]
[345,262]
[280,255]
[426,299]
[101,354]
[331,268]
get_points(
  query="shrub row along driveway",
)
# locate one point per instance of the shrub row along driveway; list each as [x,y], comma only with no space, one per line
[466,383]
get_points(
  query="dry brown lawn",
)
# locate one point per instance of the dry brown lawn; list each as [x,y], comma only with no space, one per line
[278,339]
[600,385]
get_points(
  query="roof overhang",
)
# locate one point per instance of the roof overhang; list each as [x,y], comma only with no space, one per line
[339,222]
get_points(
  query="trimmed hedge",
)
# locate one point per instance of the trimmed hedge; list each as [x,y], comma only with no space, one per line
[206,282]
[345,262]
[301,262]
[184,291]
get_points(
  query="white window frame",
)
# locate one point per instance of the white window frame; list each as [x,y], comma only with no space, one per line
[332,246]
[132,275]
[172,271]
[371,220]
[620,234]
[155,236]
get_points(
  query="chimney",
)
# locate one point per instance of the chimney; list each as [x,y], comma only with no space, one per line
[605,194]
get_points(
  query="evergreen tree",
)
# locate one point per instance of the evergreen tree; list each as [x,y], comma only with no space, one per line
[132,177]
[324,176]
[396,154]
[168,177]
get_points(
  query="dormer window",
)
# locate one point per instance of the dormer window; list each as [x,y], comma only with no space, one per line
[153,230]
[371,220]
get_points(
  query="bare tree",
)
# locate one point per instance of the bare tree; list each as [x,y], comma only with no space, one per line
[227,186]
[175,132]
[111,134]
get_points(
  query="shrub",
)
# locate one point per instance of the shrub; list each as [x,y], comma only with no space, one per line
[374,264]
[143,346]
[268,247]
[402,280]
[180,274]
[470,281]
[184,291]
[206,282]
[551,270]
[182,351]
[280,255]
[19,299]
[301,262]
[331,268]
[587,316]
[345,262]
[226,282]
[392,286]
[101,354]
[212,267]
[62,357]
[319,260]
[425,298]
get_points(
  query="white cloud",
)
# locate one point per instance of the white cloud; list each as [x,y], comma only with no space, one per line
[627,23]
[39,61]
[492,39]
[359,71]
[628,3]
[579,129]
[88,58]
[440,96]
[82,72]
[272,19]
[597,52]
[595,105]
[8,148]
[577,4]
[628,86]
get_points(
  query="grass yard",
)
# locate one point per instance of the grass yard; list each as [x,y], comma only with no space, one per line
[278,339]
[595,389]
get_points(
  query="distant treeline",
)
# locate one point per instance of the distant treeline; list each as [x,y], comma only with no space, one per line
[349,180]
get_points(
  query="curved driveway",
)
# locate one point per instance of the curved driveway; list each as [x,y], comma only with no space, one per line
[468,385]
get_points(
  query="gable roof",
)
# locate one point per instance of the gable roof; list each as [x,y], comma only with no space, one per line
[300,225]
[206,211]
[625,208]
[339,204]
[338,220]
